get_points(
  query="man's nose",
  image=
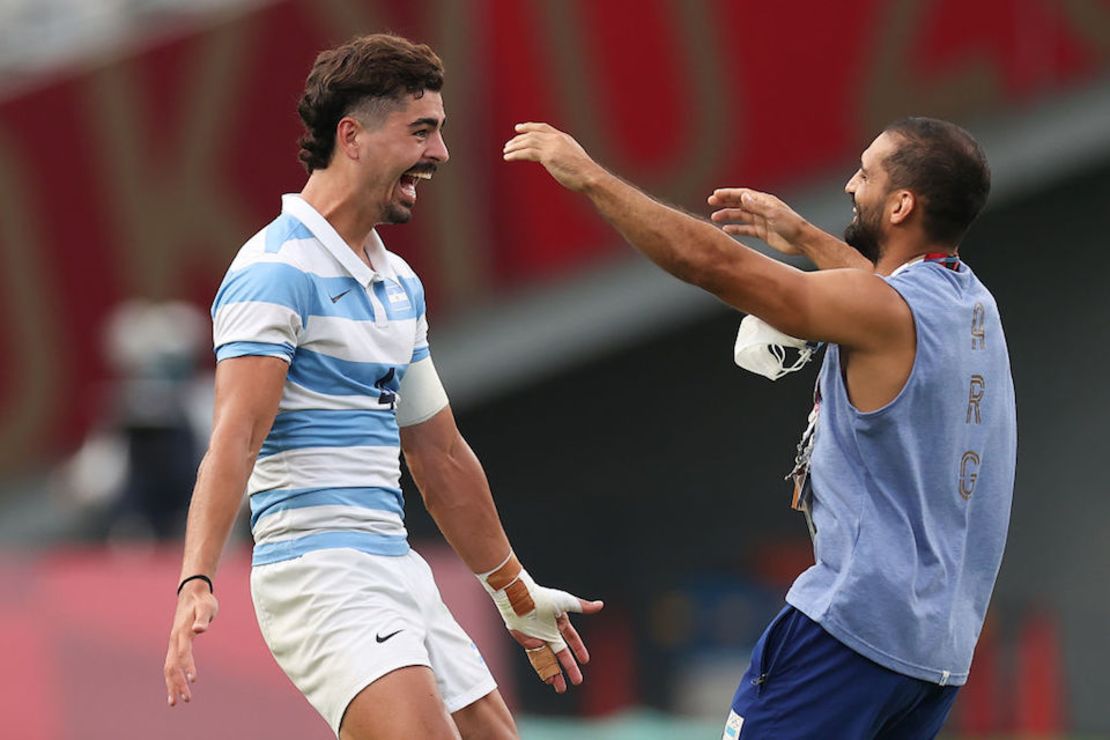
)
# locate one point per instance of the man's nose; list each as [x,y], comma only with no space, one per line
[438,149]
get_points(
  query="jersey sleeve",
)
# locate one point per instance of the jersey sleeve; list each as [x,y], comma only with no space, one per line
[420,349]
[260,309]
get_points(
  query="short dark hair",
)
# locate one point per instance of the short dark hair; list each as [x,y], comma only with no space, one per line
[380,66]
[944,166]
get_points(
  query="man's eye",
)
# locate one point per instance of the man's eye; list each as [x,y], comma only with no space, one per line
[422,134]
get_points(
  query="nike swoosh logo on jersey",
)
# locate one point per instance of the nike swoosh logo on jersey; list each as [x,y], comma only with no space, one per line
[379,638]
[335,298]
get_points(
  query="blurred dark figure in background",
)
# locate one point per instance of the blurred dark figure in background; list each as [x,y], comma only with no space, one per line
[157,348]
[912,443]
[134,473]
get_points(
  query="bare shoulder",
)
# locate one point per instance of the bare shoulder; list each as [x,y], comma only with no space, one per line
[858,309]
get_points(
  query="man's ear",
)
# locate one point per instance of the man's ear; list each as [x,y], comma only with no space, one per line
[346,137]
[900,205]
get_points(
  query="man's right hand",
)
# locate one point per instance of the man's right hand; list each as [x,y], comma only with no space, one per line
[537,618]
[196,608]
[745,212]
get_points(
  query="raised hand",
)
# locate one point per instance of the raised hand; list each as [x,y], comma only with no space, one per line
[564,158]
[745,212]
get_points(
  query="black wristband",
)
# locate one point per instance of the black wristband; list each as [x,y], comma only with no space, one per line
[206,579]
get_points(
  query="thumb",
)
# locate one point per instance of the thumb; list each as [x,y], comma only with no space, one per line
[564,602]
[591,607]
[202,620]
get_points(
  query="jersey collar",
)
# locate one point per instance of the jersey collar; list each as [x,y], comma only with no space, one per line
[326,234]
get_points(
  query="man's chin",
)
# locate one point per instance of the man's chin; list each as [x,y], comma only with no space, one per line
[398,214]
[863,244]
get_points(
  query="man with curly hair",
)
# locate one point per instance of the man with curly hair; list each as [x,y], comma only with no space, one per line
[324,376]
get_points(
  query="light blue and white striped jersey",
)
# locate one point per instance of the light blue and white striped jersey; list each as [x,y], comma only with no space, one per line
[328,474]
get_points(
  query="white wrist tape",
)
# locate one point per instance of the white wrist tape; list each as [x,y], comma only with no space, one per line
[531,609]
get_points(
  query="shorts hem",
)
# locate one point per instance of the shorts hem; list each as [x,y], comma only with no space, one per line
[358,686]
[882,659]
[465,699]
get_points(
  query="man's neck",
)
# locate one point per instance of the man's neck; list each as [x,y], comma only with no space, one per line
[894,257]
[335,201]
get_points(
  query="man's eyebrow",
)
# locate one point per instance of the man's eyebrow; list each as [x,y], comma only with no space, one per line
[428,121]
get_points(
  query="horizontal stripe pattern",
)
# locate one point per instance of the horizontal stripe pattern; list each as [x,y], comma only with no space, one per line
[328,472]
[306,255]
[368,542]
[284,228]
[335,377]
[254,349]
[326,428]
[383,499]
[287,524]
[256,321]
[303,292]
[298,398]
[328,467]
[361,341]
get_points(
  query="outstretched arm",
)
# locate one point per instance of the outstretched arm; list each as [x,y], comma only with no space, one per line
[746,212]
[457,495]
[851,307]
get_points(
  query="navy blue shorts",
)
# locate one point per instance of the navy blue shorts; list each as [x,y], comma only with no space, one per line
[804,683]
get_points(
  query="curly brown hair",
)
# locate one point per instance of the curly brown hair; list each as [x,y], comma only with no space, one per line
[380,66]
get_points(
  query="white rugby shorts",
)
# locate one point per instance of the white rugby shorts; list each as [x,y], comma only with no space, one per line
[337,620]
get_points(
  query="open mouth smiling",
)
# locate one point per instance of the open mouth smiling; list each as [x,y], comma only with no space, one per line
[409,179]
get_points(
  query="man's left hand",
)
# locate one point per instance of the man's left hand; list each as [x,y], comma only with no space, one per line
[563,157]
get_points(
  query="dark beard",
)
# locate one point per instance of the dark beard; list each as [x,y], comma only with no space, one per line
[864,238]
[397,214]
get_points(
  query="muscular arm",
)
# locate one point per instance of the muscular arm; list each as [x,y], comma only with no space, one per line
[247,393]
[853,308]
[847,306]
[455,490]
[829,253]
[457,495]
[850,307]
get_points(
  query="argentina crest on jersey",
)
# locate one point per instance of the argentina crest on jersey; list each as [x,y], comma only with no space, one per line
[398,300]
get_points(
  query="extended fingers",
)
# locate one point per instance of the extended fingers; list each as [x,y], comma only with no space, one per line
[727,196]
[566,660]
[536,126]
[180,671]
[751,201]
[543,660]
[731,214]
[522,147]
[741,230]
[573,639]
